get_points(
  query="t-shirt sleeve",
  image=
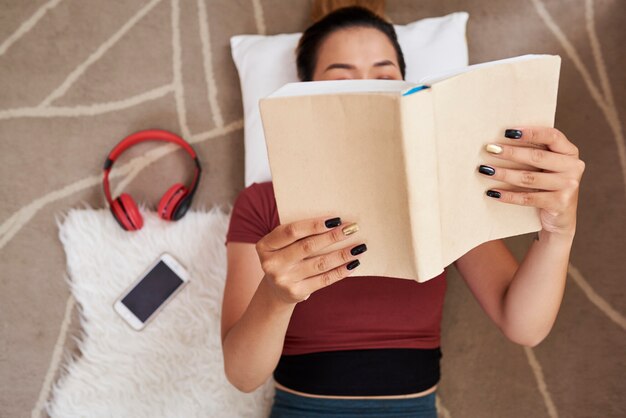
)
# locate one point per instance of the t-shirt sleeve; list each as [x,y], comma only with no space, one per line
[250,219]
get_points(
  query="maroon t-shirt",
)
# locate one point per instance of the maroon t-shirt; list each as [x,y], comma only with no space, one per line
[356,312]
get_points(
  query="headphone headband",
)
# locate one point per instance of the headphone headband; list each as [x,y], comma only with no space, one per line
[144,136]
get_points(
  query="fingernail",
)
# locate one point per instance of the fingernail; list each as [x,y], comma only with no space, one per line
[331,223]
[358,249]
[350,229]
[485,169]
[353,264]
[493,148]
[493,193]
[513,133]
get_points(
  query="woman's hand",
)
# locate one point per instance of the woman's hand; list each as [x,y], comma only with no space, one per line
[283,254]
[553,188]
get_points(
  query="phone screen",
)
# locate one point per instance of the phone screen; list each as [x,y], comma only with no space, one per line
[152,291]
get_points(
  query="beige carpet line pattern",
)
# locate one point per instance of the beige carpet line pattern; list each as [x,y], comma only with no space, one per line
[442,411]
[590,26]
[55,361]
[541,382]
[596,299]
[207,61]
[22,216]
[606,104]
[27,25]
[259,18]
[95,56]
[86,110]
[179,89]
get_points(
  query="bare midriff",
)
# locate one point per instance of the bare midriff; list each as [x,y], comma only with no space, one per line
[409,395]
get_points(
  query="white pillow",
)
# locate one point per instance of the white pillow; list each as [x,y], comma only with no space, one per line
[266,63]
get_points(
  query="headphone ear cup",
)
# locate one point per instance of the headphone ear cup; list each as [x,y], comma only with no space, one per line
[182,207]
[170,200]
[131,213]
[119,215]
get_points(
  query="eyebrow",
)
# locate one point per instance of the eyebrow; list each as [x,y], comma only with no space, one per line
[352,67]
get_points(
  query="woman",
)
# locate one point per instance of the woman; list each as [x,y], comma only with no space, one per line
[369,346]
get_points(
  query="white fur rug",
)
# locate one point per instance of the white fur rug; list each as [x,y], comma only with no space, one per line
[174,367]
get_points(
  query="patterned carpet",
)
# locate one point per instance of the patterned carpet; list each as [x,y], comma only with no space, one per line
[77,76]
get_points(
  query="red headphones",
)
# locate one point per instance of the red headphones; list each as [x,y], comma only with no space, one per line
[174,202]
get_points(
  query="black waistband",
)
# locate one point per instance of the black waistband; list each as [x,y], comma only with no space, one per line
[370,372]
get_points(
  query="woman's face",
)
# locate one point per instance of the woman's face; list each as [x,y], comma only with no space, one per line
[357,53]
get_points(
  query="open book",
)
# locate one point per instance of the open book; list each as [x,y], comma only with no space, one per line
[401,158]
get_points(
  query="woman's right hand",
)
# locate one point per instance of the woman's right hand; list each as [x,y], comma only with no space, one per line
[283,254]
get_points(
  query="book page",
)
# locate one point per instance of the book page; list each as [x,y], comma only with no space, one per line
[474,109]
[342,155]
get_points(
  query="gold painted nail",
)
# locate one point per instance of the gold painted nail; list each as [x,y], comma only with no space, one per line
[493,148]
[350,229]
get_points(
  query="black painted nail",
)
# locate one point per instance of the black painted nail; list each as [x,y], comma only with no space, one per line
[513,133]
[358,249]
[353,264]
[485,169]
[331,223]
[493,193]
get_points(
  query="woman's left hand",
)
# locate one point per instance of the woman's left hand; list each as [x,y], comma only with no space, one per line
[554,187]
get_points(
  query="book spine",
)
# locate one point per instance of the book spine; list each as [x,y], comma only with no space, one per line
[420,162]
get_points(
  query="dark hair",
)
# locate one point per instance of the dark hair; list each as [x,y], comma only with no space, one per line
[343,18]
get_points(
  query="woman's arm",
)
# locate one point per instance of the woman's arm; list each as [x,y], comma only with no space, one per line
[524,300]
[254,322]
[264,282]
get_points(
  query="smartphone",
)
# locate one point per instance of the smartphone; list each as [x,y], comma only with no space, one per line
[140,303]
